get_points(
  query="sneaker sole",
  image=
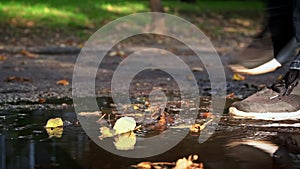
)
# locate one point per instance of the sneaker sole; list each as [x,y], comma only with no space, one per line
[270,116]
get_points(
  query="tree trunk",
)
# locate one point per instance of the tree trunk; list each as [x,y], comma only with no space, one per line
[156,6]
[158,22]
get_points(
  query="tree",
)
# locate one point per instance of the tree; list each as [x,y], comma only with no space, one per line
[158,22]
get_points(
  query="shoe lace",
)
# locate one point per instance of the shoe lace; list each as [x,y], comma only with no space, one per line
[286,85]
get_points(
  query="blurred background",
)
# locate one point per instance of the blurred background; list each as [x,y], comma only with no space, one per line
[26,23]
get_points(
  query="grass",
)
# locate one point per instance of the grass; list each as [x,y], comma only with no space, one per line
[95,13]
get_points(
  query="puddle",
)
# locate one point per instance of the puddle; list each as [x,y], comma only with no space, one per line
[24,142]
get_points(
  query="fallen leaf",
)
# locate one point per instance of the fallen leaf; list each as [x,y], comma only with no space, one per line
[41,100]
[197,69]
[105,132]
[125,141]
[87,114]
[55,132]
[230,96]
[124,125]
[54,127]
[28,54]
[17,79]
[207,115]
[190,77]
[63,82]
[238,77]
[143,165]
[135,107]
[117,53]
[113,53]
[54,122]
[183,163]
[2,57]
[196,128]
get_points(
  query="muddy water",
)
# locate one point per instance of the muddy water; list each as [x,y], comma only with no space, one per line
[24,143]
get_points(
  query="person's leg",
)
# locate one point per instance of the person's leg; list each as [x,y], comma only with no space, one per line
[280,24]
[290,80]
[280,14]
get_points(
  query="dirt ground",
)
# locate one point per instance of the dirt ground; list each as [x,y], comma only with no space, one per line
[38,63]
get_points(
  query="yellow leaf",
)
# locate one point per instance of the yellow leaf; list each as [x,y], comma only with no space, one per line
[54,122]
[125,141]
[124,125]
[238,77]
[196,128]
[135,107]
[105,132]
[55,132]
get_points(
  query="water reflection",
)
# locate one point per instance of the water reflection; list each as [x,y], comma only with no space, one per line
[233,146]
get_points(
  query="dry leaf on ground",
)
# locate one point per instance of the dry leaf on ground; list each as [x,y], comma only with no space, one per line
[2,57]
[63,82]
[41,100]
[183,163]
[196,128]
[28,54]
[17,79]
[117,53]
[238,77]
[197,69]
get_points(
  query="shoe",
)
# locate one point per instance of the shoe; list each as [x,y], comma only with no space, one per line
[286,85]
[257,58]
[267,105]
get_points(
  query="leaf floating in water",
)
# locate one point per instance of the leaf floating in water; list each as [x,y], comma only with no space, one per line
[122,132]
[54,127]
[106,132]
[238,77]
[125,141]
[124,125]
[55,132]
[54,122]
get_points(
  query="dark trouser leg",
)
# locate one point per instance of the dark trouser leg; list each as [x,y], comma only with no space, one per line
[280,14]
[290,80]
[295,65]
